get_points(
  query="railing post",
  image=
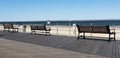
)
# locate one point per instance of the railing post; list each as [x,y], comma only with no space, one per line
[57,28]
[74,26]
[69,30]
[91,26]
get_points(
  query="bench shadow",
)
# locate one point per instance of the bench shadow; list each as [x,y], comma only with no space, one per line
[96,38]
[42,34]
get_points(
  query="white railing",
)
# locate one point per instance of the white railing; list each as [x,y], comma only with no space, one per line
[68,30]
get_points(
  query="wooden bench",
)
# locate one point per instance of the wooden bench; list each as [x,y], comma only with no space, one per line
[8,27]
[42,28]
[96,29]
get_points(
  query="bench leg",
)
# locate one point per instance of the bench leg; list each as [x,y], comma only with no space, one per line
[114,37]
[47,32]
[8,30]
[84,35]
[13,30]
[109,38]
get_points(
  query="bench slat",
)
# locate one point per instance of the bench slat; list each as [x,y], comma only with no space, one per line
[84,28]
[100,29]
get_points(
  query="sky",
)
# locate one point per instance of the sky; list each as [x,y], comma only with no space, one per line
[43,10]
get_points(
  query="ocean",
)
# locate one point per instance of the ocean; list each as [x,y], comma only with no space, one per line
[78,22]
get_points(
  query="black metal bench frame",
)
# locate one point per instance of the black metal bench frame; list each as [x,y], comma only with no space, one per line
[41,28]
[8,27]
[96,29]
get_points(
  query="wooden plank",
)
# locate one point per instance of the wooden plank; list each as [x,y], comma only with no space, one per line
[88,46]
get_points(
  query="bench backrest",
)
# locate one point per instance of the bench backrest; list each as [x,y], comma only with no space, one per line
[41,27]
[94,29]
[9,26]
[33,27]
[84,28]
[100,29]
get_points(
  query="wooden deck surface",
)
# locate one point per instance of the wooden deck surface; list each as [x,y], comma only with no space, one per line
[92,45]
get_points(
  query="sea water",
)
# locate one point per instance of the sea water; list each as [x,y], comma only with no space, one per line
[78,22]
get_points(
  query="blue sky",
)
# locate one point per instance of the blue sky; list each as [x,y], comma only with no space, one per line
[34,10]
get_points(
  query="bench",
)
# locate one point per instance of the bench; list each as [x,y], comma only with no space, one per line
[42,28]
[8,27]
[96,29]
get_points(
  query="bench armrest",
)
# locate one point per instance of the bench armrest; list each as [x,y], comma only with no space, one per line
[112,30]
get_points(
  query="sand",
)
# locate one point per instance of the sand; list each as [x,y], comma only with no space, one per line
[66,31]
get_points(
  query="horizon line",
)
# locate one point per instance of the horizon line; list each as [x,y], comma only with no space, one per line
[66,20]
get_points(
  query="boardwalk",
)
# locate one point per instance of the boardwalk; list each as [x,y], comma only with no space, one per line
[93,46]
